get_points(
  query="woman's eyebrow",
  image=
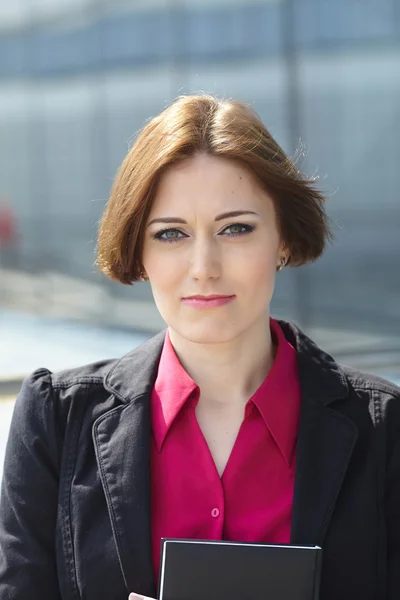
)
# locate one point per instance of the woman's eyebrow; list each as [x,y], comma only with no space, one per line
[235,213]
[167,220]
[226,215]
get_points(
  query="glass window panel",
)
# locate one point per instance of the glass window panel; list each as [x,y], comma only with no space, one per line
[321,21]
[12,55]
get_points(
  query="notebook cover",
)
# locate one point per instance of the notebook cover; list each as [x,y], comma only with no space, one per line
[219,570]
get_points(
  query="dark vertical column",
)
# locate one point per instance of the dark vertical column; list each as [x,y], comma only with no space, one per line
[40,209]
[98,126]
[99,131]
[178,58]
[294,127]
[41,257]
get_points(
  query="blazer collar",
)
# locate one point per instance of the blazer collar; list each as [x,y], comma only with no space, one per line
[134,374]
[321,378]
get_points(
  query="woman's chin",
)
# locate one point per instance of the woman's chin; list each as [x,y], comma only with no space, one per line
[207,333]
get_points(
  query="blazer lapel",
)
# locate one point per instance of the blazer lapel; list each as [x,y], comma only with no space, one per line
[325,442]
[122,440]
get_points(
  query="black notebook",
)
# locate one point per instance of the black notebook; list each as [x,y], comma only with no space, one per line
[219,570]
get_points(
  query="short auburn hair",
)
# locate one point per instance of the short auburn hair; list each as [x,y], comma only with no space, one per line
[222,128]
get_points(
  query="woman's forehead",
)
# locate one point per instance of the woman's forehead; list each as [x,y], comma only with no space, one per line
[212,183]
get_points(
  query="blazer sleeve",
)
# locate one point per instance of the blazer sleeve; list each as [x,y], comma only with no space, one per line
[392,496]
[29,496]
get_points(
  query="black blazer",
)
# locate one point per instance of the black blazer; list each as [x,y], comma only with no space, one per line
[75,504]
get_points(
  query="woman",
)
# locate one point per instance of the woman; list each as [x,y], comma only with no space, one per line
[229,425]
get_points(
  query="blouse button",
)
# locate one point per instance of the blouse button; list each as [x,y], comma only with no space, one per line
[215,513]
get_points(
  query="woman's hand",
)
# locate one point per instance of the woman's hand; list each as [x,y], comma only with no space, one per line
[139,597]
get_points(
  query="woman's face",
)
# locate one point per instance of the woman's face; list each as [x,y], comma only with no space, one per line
[211,232]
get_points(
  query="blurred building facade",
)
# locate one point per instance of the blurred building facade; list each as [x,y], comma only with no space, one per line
[78,79]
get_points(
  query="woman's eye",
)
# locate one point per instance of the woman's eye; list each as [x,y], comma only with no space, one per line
[175,235]
[169,235]
[238,229]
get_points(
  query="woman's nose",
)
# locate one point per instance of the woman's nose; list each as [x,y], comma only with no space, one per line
[205,260]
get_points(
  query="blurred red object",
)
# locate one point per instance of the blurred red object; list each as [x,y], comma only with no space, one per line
[7,226]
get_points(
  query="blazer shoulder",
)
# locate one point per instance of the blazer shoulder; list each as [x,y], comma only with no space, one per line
[382,396]
[361,381]
[90,380]
[46,393]
[89,374]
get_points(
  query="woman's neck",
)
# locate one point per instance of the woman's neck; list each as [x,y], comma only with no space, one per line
[230,372]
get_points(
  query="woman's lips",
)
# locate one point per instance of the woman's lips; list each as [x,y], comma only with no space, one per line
[207,301]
